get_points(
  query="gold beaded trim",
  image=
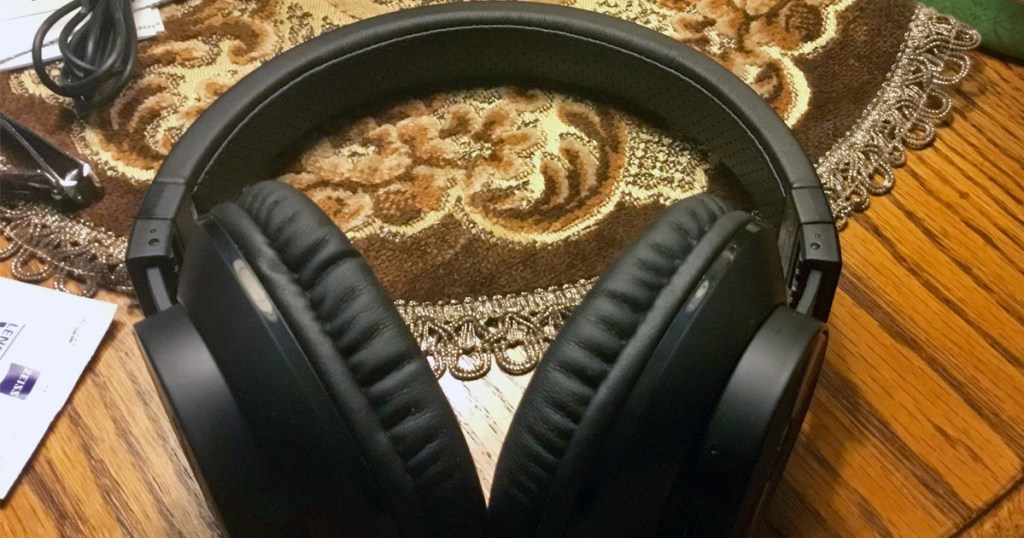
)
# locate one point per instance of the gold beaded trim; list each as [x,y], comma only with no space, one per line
[466,337]
[903,114]
[44,243]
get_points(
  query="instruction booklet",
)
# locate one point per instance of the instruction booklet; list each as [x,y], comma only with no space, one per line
[46,339]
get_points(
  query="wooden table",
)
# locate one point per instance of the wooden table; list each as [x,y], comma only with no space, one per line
[917,427]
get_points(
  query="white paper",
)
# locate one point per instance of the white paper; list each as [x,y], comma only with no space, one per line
[19,31]
[12,9]
[46,339]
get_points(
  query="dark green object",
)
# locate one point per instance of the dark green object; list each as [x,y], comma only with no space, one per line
[1001,22]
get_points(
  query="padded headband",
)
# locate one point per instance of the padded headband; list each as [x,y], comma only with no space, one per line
[246,135]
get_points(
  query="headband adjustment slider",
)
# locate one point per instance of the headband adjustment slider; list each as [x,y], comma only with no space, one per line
[814,280]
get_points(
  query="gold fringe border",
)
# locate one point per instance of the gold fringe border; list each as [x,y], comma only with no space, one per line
[44,243]
[466,337]
[904,114]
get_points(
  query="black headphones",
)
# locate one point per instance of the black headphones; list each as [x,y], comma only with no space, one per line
[669,402]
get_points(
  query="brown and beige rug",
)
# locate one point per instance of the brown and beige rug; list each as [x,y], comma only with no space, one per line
[489,212]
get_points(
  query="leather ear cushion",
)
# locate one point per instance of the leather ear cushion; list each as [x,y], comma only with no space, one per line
[365,356]
[590,369]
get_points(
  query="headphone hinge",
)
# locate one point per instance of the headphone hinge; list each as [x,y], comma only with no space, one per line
[814,281]
[152,264]
[152,257]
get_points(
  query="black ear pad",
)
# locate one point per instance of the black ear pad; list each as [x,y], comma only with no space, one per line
[364,354]
[590,368]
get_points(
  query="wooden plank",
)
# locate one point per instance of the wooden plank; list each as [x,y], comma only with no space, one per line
[917,427]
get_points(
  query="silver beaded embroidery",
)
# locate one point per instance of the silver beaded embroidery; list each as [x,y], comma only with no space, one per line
[903,115]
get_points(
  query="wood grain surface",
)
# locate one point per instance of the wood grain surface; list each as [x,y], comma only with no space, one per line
[917,426]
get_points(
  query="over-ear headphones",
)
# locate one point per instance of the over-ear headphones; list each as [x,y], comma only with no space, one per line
[669,402]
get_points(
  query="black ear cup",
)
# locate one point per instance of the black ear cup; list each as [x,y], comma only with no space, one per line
[590,371]
[365,357]
[598,444]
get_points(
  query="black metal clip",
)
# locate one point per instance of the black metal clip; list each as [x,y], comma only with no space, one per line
[53,175]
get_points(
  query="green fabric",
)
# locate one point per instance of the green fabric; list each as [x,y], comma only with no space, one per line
[1001,22]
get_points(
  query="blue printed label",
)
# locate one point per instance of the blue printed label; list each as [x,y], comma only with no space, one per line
[19,381]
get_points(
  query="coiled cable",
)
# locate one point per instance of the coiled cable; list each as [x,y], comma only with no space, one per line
[99,47]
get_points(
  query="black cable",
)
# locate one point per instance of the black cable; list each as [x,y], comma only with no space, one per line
[99,47]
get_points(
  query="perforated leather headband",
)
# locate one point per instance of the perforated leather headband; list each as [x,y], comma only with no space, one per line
[243,137]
